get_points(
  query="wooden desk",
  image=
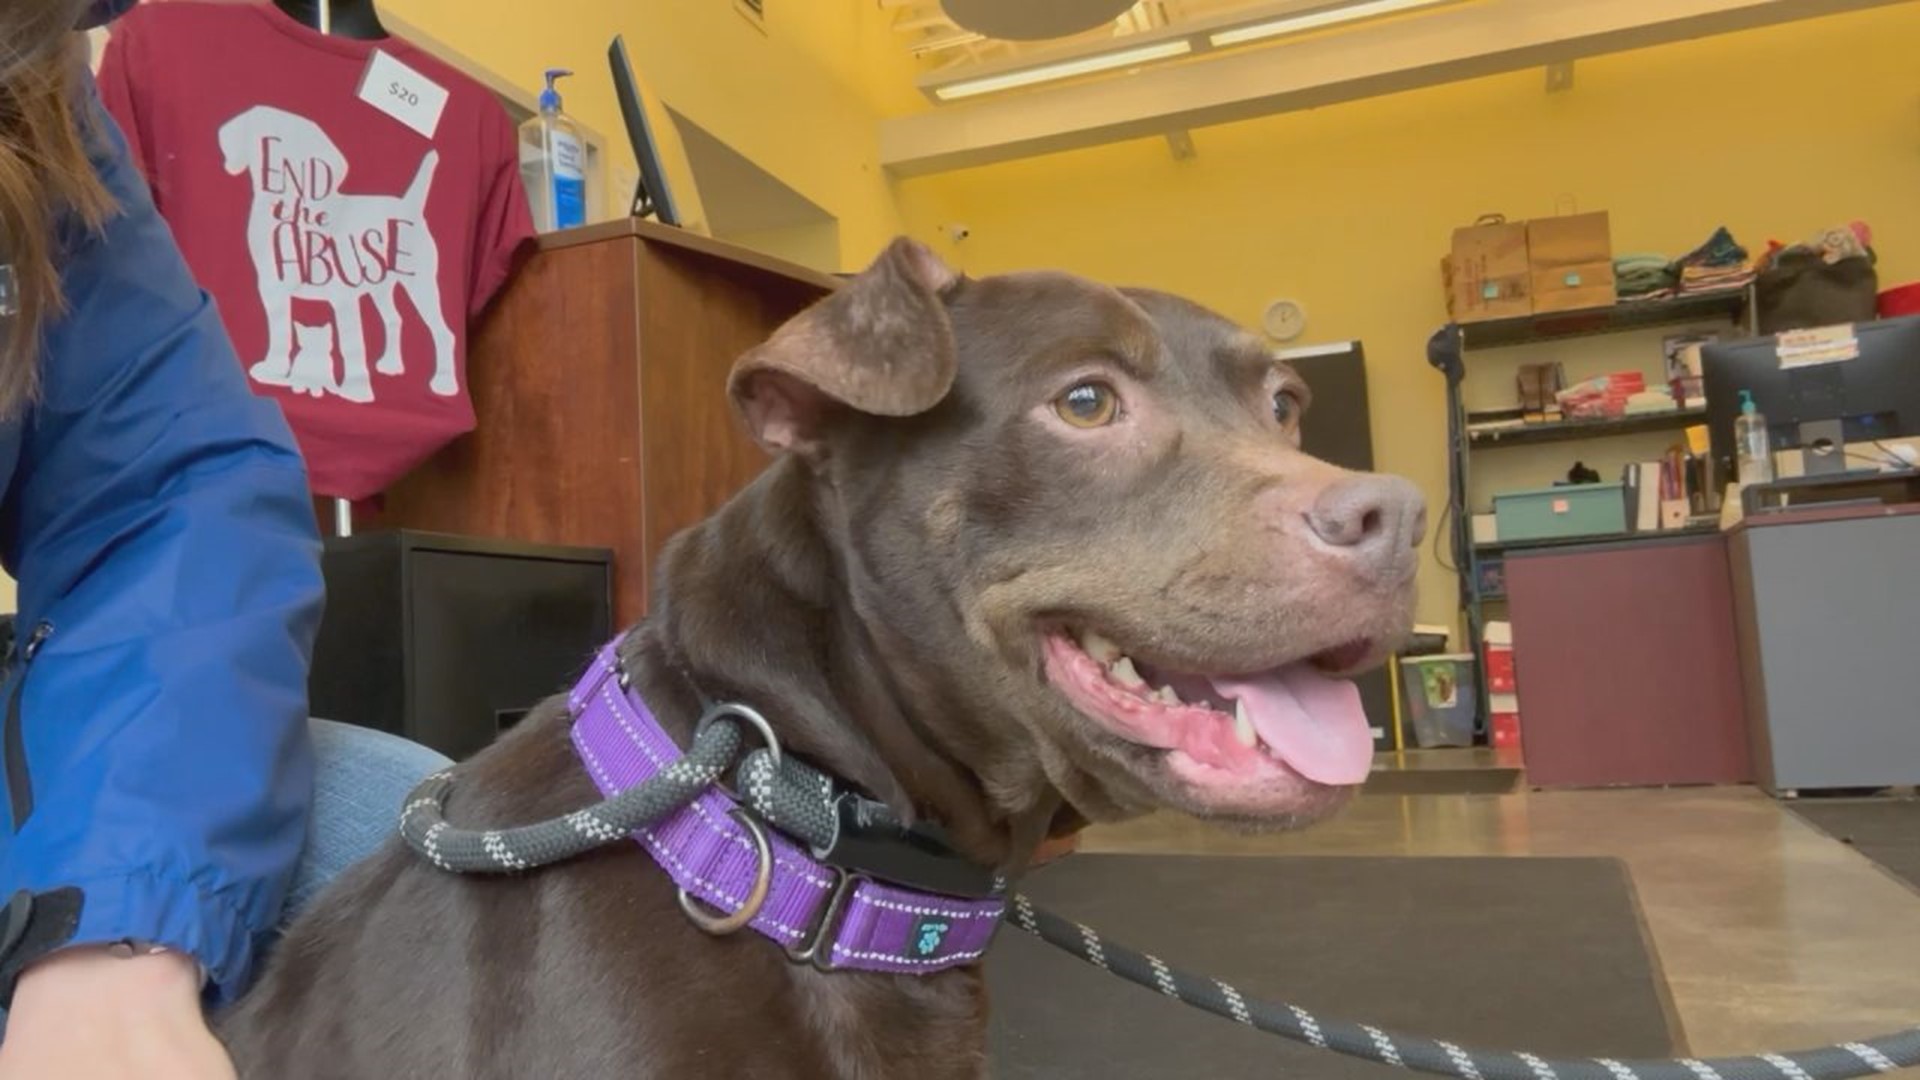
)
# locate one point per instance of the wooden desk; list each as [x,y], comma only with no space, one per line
[1628,666]
[599,386]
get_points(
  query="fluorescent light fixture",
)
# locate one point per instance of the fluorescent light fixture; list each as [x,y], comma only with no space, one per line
[1066,69]
[1313,20]
[941,44]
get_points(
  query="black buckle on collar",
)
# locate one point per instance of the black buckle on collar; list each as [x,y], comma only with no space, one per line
[869,841]
[816,947]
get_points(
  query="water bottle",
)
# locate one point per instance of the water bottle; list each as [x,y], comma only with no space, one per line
[1753,444]
[553,163]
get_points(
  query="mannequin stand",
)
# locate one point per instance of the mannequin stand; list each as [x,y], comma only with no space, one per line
[346,18]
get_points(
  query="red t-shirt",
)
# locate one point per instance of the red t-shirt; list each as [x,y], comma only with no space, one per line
[347,251]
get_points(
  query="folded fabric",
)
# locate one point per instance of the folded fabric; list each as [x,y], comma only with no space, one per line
[1643,276]
[1641,261]
[1717,281]
[1720,250]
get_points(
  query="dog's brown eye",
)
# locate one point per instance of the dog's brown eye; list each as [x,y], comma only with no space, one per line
[1286,407]
[1088,405]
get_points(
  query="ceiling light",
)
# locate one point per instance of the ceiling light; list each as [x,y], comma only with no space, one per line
[1066,69]
[1313,20]
[940,44]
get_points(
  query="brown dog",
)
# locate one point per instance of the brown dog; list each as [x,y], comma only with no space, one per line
[1037,552]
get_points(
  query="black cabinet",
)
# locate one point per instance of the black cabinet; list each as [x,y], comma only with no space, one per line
[449,640]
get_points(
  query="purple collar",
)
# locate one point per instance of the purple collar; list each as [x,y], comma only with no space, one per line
[814,911]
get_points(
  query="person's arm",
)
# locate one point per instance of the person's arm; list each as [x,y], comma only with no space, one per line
[158,775]
[120,65]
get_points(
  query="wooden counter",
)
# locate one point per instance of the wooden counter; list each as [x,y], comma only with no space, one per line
[599,385]
[1628,665]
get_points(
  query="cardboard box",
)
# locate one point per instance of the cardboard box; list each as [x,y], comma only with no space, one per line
[1502,679]
[1486,529]
[1488,274]
[1503,730]
[1538,387]
[1570,262]
[1500,670]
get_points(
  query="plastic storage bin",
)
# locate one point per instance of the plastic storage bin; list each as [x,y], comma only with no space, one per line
[1442,699]
[1557,512]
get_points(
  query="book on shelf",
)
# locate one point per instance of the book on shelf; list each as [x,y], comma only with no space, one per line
[1674,492]
[1642,481]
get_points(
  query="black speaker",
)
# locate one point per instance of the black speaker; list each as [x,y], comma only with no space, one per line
[449,640]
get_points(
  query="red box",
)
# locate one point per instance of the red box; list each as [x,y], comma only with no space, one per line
[1501,678]
[1504,731]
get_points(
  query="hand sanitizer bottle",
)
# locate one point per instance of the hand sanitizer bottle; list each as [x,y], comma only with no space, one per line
[1752,443]
[553,163]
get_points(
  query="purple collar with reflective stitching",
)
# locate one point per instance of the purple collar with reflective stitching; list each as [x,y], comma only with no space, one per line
[847,922]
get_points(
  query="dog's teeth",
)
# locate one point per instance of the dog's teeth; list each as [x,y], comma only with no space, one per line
[1243,727]
[1099,647]
[1166,696]
[1124,673]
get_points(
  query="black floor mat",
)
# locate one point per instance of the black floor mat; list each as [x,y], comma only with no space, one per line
[1884,830]
[1547,955]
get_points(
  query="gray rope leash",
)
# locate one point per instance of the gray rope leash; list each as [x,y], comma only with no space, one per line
[785,793]
[1844,1062]
[798,800]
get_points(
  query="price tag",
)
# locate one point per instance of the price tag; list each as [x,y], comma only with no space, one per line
[403,93]
[1825,345]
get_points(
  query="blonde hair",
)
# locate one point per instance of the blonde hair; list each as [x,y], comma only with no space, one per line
[45,176]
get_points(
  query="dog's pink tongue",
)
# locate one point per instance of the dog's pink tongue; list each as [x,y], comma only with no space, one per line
[1314,723]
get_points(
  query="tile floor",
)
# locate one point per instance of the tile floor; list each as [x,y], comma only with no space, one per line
[1772,936]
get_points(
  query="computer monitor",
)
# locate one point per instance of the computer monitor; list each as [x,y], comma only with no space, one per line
[1870,387]
[650,196]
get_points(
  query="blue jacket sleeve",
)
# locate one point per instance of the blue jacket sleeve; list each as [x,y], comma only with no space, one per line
[160,527]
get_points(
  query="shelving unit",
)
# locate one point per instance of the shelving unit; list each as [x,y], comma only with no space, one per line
[1730,304]
[1569,430]
[1733,305]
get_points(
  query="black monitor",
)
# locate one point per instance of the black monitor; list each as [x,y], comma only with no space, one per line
[650,196]
[1868,383]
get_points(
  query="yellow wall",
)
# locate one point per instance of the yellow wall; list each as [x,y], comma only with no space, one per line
[1348,209]
[800,100]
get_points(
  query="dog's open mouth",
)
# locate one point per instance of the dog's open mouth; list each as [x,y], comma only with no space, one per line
[1295,720]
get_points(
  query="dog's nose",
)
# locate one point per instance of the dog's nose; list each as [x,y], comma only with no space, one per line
[1377,521]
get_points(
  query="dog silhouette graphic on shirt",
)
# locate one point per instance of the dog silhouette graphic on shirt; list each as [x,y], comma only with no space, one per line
[311,240]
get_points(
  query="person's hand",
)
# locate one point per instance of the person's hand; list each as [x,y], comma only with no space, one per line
[87,1013]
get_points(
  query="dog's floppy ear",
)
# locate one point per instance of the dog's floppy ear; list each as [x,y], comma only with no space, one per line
[881,345]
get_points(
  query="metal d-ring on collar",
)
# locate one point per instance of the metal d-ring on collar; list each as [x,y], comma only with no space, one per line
[722,925]
[756,898]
